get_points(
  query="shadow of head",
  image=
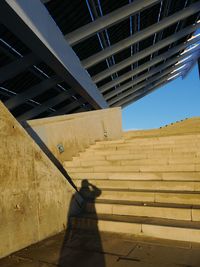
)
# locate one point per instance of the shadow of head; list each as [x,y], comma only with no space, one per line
[88,190]
[87,193]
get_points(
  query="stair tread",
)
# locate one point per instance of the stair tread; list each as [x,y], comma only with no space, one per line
[149,180]
[140,220]
[151,191]
[144,204]
[143,181]
[144,173]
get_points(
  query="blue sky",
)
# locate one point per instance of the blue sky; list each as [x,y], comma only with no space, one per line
[177,100]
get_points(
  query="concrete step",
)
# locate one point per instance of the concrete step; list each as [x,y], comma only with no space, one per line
[161,161]
[140,226]
[119,141]
[156,138]
[152,155]
[157,134]
[169,197]
[135,168]
[139,176]
[186,213]
[94,152]
[130,135]
[140,162]
[140,149]
[146,146]
[188,127]
[139,156]
[83,156]
[153,140]
[138,145]
[143,185]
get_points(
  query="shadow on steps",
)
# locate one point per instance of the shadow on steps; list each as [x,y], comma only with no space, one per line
[87,191]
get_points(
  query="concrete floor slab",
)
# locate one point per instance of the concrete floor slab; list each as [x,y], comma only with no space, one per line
[160,254]
[87,249]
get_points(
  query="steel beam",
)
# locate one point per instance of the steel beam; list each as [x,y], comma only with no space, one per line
[144,53]
[14,68]
[81,110]
[6,93]
[145,76]
[43,37]
[147,65]
[35,72]
[108,20]
[144,91]
[141,35]
[45,106]
[141,85]
[67,109]
[32,92]
[9,94]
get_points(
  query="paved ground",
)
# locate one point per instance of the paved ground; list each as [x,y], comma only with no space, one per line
[108,250]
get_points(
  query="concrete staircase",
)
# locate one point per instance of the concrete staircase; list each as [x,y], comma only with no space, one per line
[147,183]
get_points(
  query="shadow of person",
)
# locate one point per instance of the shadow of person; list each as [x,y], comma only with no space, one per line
[82,247]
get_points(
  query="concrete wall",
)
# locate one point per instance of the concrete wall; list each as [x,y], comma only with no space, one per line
[78,131]
[35,196]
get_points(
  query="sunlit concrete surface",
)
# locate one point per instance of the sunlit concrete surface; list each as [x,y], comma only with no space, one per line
[71,133]
[105,250]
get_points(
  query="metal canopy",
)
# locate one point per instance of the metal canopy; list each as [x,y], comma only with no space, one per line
[141,35]
[152,72]
[32,92]
[157,59]
[142,85]
[107,21]
[145,53]
[31,19]
[85,55]
[14,68]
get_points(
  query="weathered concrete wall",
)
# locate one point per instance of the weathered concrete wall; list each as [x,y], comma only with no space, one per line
[35,196]
[78,131]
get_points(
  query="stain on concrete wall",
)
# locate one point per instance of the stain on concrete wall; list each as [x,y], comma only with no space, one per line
[35,196]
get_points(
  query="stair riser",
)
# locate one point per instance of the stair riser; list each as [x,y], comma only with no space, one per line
[147,197]
[138,151]
[85,163]
[194,139]
[134,229]
[190,145]
[144,185]
[169,131]
[135,176]
[169,138]
[154,140]
[143,156]
[147,168]
[130,146]
[143,211]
